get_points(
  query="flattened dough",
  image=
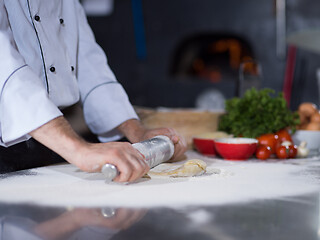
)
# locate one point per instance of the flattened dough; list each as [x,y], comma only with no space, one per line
[193,167]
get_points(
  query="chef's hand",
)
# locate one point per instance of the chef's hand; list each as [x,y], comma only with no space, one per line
[129,161]
[136,132]
[58,135]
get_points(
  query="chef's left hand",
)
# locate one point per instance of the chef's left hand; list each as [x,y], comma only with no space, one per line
[135,132]
[180,145]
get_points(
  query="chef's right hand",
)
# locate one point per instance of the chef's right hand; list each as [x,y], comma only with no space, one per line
[129,161]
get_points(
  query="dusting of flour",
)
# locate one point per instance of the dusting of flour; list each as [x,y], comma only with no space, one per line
[225,182]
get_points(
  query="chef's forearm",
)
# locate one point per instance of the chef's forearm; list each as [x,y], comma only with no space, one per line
[58,135]
[132,129]
[90,157]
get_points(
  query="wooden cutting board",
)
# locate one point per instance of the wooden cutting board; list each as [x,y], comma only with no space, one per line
[188,122]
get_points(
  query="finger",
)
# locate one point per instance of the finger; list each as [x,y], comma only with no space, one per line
[125,171]
[171,132]
[145,165]
[137,163]
[175,139]
[122,158]
[180,148]
[140,167]
[174,136]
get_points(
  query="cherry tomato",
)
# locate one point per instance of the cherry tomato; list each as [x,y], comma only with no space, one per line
[283,135]
[293,150]
[282,152]
[263,152]
[269,140]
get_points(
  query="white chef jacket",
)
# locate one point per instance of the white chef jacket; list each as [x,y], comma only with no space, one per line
[49,59]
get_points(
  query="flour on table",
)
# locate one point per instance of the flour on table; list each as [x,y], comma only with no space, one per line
[223,182]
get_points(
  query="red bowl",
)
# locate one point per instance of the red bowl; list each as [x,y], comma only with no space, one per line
[204,146]
[236,148]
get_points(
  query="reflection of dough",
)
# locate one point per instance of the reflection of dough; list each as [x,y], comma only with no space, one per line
[191,168]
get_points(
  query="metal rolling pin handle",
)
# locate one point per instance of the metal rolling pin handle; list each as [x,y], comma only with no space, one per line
[156,150]
[109,171]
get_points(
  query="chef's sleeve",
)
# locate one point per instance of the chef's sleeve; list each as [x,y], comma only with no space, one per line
[105,102]
[24,103]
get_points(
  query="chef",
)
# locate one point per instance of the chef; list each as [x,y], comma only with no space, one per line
[49,60]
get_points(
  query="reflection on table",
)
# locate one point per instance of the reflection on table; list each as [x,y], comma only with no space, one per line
[293,218]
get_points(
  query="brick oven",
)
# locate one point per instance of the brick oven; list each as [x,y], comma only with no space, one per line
[217,36]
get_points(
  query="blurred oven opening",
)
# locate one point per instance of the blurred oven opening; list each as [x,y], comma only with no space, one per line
[213,57]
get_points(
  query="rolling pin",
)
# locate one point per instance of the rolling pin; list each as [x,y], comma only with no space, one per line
[156,150]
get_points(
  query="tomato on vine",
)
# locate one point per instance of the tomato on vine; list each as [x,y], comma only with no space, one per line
[263,152]
[282,152]
[293,150]
[284,135]
[269,140]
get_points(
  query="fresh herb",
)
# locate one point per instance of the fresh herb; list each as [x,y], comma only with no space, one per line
[257,113]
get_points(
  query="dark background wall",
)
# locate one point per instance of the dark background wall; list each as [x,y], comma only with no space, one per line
[148,81]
